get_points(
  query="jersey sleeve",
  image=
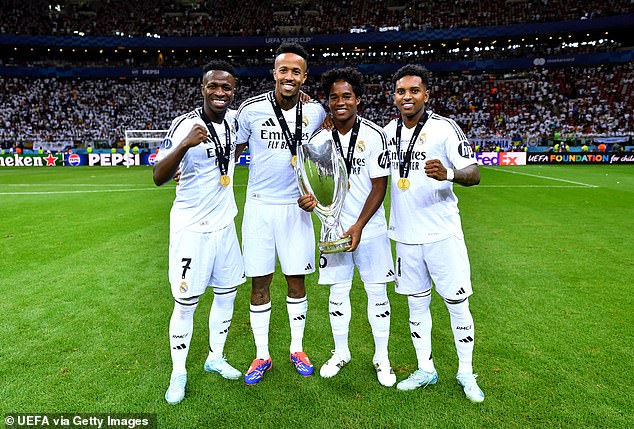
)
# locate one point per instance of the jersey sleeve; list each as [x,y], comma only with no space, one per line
[177,132]
[242,126]
[322,114]
[377,156]
[458,148]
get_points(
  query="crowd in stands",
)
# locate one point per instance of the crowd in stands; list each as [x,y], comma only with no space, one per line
[275,17]
[535,104]
[195,57]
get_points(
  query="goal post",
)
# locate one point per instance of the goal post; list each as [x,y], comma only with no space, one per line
[146,139]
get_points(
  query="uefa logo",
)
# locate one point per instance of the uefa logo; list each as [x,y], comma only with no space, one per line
[151,160]
[74,160]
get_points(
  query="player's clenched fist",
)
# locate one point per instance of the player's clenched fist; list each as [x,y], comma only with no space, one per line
[307,202]
[435,169]
[196,136]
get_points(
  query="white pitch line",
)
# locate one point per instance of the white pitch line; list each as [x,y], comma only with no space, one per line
[542,177]
[532,186]
[79,192]
[69,184]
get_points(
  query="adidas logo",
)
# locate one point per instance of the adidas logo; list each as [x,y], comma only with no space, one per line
[308,267]
[268,123]
[389,273]
[466,340]
[180,347]
[415,335]
[300,317]
[461,291]
[336,313]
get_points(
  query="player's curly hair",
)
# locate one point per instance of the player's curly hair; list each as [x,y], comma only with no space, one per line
[219,65]
[346,74]
[412,70]
[292,48]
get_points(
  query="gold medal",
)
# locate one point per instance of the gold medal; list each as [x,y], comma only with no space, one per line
[294,160]
[225,180]
[403,184]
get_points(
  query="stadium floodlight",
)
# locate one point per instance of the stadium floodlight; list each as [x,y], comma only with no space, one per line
[143,138]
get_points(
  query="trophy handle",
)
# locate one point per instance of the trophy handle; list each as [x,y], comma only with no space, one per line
[342,184]
[298,174]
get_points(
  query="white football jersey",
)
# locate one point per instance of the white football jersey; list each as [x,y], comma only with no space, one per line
[271,176]
[370,160]
[428,211]
[201,203]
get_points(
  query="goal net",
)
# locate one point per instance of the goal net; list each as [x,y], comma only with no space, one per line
[143,139]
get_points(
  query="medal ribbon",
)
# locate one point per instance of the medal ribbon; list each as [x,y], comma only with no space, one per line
[297,140]
[351,146]
[403,164]
[222,153]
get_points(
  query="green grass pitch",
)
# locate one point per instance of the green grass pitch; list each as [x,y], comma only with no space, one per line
[86,305]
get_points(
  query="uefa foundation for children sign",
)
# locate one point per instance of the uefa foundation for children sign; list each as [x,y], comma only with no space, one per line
[581,158]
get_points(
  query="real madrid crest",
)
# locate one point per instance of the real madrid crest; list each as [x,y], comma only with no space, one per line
[360,146]
[305,120]
[422,139]
[183,287]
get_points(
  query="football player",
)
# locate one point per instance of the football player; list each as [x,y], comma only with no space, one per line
[274,124]
[363,146]
[429,153]
[203,250]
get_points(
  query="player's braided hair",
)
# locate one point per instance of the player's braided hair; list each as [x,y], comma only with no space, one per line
[412,70]
[219,65]
[346,74]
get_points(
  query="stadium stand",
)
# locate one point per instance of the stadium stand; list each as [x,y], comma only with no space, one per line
[253,17]
[576,102]
[55,93]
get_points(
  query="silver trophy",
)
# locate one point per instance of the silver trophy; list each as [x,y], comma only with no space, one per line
[321,171]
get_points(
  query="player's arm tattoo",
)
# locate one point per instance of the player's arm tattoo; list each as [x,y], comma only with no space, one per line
[467,176]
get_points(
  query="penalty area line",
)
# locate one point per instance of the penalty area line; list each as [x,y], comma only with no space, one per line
[586,185]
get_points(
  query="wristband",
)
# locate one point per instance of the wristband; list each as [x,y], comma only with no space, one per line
[450,174]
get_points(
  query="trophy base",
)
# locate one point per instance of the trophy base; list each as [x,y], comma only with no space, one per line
[335,246]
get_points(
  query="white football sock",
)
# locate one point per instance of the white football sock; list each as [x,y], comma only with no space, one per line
[463,333]
[379,318]
[220,320]
[297,308]
[260,316]
[420,327]
[180,331]
[340,314]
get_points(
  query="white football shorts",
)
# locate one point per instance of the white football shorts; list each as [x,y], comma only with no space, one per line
[204,259]
[444,262]
[373,258]
[282,230]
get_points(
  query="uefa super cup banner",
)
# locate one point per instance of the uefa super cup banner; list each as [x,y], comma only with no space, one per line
[321,171]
